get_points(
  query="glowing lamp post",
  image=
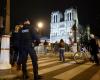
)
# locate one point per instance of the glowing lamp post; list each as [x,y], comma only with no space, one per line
[40,26]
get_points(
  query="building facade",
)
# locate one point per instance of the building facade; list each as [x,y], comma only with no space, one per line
[61,25]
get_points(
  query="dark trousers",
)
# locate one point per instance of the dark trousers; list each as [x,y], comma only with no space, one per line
[19,59]
[14,55]
[32,53]
[95,57]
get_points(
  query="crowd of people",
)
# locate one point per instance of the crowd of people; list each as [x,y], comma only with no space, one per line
[92,47]
[24,39]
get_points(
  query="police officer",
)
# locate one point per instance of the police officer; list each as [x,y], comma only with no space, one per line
[27,36]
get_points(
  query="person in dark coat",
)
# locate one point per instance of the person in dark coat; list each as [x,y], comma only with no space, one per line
[94,49]
[56,47]
[15,47]
[45,46]
[62,50]
[27,38]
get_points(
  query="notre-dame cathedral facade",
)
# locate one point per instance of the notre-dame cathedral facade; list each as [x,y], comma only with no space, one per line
[61,25]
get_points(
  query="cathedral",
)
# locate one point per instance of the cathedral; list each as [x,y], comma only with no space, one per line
[61,25]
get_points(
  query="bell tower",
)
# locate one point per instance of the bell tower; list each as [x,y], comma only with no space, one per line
[70,15]
[56,17]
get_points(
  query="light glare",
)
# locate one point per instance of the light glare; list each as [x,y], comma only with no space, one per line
[40,24]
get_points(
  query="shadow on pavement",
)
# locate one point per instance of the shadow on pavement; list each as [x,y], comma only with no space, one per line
[50,75]
[88,73]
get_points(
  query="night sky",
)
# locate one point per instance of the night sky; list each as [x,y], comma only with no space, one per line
[88,11]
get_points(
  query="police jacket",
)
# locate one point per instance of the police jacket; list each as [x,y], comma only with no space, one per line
[27,35]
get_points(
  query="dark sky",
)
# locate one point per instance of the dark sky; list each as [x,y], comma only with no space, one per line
[88,11]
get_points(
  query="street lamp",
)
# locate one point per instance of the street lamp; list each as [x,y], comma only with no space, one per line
[40,26]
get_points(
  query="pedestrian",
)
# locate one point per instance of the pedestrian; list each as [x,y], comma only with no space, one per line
[45,46]
[15,50]
[94,49]
[61,50]
[56,47]
[27,36]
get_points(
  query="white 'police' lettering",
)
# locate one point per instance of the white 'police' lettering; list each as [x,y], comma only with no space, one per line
[26,30]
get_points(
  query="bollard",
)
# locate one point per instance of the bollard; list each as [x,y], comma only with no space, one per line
[4,55]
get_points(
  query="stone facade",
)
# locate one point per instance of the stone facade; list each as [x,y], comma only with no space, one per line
[61,26]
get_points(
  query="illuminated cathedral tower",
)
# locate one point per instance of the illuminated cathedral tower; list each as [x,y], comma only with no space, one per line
[61,26]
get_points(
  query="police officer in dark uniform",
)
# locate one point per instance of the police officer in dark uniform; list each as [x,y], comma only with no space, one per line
[27,37]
